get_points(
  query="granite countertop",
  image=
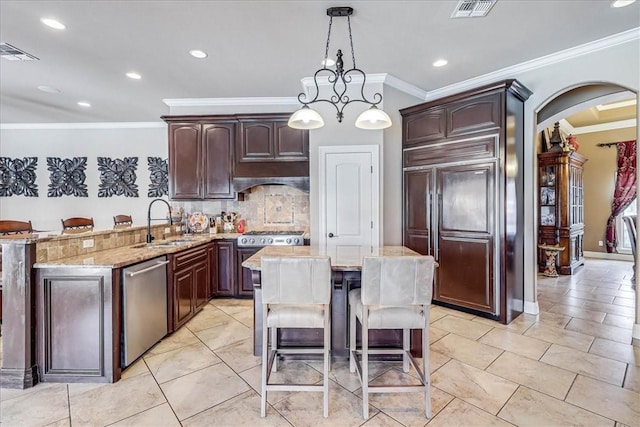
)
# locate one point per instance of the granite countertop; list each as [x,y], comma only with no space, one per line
[133,254]
[342,259]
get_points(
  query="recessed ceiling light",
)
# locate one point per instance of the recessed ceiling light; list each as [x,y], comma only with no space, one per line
[50,22]
[134,75]
[621,3]
[197,53]
[48,89]
[84,104]
[440,63]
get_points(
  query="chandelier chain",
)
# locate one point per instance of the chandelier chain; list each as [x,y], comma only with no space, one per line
[353,54]
[326,49]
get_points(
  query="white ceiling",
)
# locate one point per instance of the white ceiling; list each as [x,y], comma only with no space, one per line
[262,48]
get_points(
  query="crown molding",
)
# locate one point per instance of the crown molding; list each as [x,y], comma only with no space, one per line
[543,61]
[218,102]
[108,125]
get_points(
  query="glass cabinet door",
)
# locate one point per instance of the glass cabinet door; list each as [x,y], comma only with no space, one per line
[547,195]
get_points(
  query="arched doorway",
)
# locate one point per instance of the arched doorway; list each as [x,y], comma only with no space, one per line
[570,102]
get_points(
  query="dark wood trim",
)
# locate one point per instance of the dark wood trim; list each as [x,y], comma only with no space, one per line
[511,85]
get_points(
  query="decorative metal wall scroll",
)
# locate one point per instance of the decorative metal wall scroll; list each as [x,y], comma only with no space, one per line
[159,175]
[117,177]
[18,176]
[67,177]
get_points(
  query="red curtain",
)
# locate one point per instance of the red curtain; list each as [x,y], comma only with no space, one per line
[625,191]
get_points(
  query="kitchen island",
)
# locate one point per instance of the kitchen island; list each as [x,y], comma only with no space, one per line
[346,265]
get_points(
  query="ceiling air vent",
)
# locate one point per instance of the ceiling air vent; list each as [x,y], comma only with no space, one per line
[472,8]
[12,53]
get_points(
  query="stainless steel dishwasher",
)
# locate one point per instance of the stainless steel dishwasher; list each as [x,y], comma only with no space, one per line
[144,307]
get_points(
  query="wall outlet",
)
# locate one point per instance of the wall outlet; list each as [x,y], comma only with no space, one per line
[600,243]
[87,243]
[167,230]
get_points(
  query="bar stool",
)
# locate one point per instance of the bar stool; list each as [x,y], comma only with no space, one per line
[122,220]
[77,225]
[296,293]
[395,294]
[8,226]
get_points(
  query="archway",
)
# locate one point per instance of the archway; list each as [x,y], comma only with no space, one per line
[567,102]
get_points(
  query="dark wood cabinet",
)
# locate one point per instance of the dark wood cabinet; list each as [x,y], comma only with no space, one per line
[189,279]
[220,156]
[225,280]
[418,185]
[201,158]
[185,149]
[270,138]
[464,196]
[245,283]
[268,151]
[561,208]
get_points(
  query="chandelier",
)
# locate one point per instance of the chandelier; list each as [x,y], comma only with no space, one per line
[339,80]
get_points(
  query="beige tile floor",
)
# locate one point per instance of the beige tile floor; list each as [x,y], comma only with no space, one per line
[570,365]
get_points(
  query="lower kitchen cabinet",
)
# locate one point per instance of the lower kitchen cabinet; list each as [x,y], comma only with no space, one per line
[189,282]
[225,273]
[245,285]
[230,279]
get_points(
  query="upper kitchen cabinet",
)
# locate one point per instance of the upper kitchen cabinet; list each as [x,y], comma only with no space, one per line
[270,138]
[269,151]
[201,157]
[432,125]
[464,196]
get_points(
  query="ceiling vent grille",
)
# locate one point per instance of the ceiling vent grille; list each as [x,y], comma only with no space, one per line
[12,53]
[472,8]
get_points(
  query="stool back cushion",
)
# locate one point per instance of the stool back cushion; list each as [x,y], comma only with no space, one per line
[296,280]
[397,281]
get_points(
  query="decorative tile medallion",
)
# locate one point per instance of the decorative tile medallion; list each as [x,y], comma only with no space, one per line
[117,177]
[159,176]
[67,177]
[278,209]
[18,176]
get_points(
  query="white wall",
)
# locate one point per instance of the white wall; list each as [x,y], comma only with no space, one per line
[46,212]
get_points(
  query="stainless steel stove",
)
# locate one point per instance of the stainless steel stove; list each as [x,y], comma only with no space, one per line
[268,238]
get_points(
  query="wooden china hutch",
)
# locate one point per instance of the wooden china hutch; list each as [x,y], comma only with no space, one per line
[561,207]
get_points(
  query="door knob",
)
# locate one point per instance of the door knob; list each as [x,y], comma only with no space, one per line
[331,235]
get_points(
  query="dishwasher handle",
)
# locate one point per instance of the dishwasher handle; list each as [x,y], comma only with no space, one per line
[144,270]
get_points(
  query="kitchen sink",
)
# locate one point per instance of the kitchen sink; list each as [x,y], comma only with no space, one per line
[163,244]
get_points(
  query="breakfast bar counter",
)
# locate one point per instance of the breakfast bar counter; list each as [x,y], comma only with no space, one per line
[346,264]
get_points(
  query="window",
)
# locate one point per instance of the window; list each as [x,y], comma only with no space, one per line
[624,245]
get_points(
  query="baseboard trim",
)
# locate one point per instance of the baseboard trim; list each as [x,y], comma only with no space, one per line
[531,307]
[604,255]
[18,378]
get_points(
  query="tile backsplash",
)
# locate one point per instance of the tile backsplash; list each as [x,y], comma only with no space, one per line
[266,207]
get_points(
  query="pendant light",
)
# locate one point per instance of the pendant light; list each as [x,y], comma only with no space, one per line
[340,80]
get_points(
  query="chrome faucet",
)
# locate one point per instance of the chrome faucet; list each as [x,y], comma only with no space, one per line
[149,236]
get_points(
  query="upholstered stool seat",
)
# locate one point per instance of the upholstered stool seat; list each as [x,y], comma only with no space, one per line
[296,293]
[395,293]
[381,316]
[295,316]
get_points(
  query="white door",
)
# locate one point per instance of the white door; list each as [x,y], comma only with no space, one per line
[349,196]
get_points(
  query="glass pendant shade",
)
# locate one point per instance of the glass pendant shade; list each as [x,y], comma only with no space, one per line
[373,119]
[306,118]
